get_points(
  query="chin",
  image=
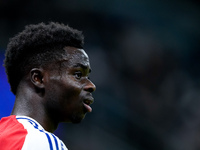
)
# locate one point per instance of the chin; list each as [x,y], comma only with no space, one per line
[77,118]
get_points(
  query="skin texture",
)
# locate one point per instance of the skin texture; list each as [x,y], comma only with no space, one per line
[61,92]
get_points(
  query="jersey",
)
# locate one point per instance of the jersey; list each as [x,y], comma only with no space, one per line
[24,133]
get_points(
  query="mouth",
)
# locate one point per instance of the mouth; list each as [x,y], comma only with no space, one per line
[87,103]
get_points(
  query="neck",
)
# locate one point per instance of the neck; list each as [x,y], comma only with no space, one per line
[30,105]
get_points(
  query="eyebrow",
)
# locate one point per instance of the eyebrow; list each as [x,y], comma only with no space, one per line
[82,66]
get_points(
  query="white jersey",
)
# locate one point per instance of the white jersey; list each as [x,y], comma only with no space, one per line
[32,135]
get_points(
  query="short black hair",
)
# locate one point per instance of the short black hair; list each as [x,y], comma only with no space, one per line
[36,46]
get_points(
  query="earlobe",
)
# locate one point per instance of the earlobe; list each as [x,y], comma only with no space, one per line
[36,76]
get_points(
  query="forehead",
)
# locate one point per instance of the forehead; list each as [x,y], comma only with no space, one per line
[76,56]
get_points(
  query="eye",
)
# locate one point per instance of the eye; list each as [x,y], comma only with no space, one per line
[78,74]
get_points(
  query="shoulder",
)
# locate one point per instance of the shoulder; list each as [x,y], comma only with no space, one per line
[38,138]
[42,140]
[12,133]
[26,134]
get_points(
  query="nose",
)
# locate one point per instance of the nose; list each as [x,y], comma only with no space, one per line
[90,87]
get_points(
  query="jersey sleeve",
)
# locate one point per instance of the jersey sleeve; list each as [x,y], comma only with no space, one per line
[12,134]
[23,133]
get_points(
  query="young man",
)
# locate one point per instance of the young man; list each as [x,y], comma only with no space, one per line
[48,72]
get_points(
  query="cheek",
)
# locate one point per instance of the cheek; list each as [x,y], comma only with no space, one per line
[63,97]
[71,95]
[66,92]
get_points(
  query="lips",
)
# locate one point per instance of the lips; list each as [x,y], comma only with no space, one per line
[87,102]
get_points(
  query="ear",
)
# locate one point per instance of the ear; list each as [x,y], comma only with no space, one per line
[37,78]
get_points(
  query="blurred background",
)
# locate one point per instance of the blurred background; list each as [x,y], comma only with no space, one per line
[145,60]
